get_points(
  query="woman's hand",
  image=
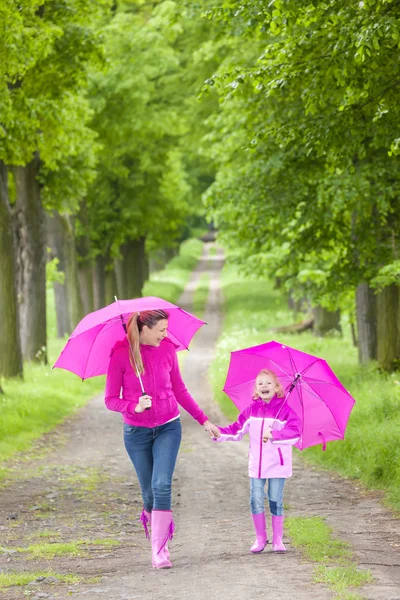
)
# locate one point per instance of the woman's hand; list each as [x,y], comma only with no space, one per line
[268,435]
[211,429]
[144,402]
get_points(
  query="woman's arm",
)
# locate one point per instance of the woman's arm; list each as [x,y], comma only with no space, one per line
[182,395]
[113,387]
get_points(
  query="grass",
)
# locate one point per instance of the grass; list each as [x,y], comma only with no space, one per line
[75,548]
[170,282]
[11,579]
[36,405]
[371,449]
[336,567]
[200,295]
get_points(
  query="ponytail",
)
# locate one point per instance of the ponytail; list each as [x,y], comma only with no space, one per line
[134,346]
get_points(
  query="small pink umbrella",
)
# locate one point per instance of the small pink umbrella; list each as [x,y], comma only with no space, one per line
[312,389]
[87,352]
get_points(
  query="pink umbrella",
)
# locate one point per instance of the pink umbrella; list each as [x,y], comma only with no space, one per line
[312,389]
[87,352]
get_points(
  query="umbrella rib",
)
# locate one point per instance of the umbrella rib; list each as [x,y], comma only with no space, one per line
[315,394]
[295,370]
[88,355]
[279,367]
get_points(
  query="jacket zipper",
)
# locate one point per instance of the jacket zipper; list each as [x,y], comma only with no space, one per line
[261,443]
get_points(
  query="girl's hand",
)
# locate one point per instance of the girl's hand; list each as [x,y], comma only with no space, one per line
[144,402]
[268,435]
[211,429]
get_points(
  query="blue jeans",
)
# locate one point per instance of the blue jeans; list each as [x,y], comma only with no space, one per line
[275,495]
[153,452]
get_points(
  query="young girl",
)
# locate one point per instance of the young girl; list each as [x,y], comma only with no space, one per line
[273,428]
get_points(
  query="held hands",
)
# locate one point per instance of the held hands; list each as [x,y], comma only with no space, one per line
[144,402]
[211,429]
[268,435]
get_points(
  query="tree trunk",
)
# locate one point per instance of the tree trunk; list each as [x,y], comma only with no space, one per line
[84,263]
[75,304]
[325,321]
[366,323]
[111,286]
[31,260]
[56,241]
[85,278]
[10,341]
[388,330]
[120,279]
[131,276]
[99,283]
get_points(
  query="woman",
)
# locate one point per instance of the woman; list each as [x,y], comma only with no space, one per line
[152,425]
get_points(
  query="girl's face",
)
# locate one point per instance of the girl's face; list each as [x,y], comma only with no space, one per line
[265,387]
[155,335]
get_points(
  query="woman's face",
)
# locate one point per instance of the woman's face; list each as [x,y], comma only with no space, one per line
[266,387]
[155,335]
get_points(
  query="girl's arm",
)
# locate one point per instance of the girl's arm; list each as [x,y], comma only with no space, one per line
[182,395]
[235,431]
[290,434]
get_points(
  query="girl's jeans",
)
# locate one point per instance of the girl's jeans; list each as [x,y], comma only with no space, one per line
[153,452]
[275,495]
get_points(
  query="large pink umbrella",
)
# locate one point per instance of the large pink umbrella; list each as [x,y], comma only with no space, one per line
[87,352]
[312,389]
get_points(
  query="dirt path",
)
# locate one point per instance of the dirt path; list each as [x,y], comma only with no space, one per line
[84,490]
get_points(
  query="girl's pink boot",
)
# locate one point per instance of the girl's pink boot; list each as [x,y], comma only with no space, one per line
[277,533]
[162,530]
[261,533]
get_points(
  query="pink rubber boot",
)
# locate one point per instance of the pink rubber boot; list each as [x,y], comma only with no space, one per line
[162,530]
[277,534]
[261,533]
[145,519]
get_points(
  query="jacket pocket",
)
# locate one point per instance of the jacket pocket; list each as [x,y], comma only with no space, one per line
[281,457]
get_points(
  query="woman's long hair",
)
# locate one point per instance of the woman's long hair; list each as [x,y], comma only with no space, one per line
[135,325]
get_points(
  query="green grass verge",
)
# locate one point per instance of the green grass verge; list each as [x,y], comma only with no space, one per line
[170,282]
[45,397]
[8,580]
[371,449]
[200,295]
[336,567]
[75,548]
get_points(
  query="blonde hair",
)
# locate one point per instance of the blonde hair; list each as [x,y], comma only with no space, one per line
[278,386]
[135,325]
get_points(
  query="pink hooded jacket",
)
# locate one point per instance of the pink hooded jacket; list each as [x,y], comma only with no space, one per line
[161,380]
[272,458]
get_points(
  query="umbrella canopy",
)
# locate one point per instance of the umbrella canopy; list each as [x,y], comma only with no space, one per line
[312,389]
[87,352]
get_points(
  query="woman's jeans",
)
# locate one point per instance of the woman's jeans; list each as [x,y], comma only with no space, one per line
[275,495]
[153,452]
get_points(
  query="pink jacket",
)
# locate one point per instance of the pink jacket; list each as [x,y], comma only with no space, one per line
[161,380]
[266,459]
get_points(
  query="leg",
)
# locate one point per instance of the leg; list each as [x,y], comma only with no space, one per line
[275,497]
[165,451]
[258,514]
[139,445]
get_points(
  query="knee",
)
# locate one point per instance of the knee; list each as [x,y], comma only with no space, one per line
[257,502]
[276,508]
[162,485]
